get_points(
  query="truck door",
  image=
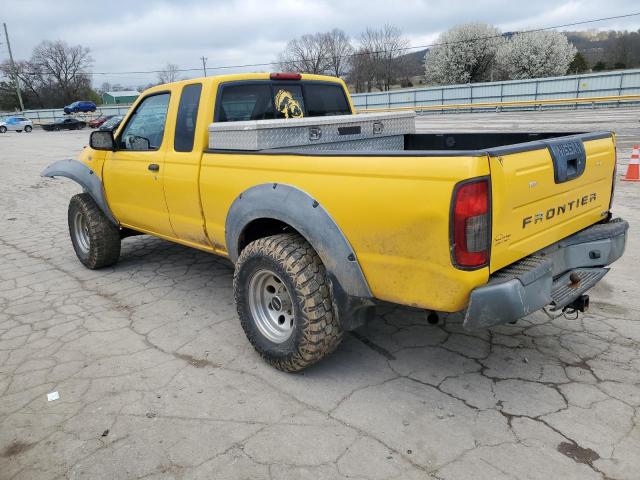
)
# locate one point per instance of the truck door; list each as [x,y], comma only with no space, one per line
[182,168]
[133,174]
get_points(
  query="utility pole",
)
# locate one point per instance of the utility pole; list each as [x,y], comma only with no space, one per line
[13,68]
[204,65]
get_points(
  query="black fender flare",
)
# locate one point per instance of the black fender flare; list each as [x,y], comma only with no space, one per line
[86,178]
[298,209]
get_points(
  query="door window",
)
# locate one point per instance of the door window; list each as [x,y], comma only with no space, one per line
[186,119]
[145,129]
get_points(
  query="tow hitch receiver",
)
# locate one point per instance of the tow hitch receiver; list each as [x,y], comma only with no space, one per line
[580,304]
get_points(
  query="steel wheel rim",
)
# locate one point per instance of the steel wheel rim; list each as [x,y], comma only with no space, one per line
[81,230]
[271,306]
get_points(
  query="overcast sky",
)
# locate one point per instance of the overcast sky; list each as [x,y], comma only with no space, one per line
[133,35]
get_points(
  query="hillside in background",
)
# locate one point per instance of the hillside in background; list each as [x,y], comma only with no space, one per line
[608,50]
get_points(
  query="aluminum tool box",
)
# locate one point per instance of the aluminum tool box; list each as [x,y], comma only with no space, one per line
[366,131]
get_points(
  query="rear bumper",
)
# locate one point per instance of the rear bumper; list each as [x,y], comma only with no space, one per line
[543,278]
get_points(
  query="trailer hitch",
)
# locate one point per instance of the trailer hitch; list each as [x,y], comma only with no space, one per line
[580,304]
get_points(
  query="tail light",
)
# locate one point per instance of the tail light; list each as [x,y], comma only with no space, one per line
[615,173]
[285,76]
[471,224]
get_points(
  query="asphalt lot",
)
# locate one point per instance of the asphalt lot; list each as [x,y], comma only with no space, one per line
[156,379]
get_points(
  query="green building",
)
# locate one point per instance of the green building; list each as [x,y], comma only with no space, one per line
[124,96]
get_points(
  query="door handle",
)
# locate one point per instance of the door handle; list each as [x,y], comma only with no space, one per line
[154,167]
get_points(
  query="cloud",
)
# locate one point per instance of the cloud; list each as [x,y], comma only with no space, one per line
[129,36]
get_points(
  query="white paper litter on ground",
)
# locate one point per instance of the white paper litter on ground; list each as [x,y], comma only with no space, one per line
[53,396]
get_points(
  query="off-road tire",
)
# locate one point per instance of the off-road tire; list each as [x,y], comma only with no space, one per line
[316,330]
[103,236]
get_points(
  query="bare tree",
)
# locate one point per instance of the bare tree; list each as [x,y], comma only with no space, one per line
[56,74]
[169,74]
[63,67]
[465,53]
[31,82]
[621,49]
[362,72]
[105,87]
[307,54]
[535,54]
[338,49]
[380,54]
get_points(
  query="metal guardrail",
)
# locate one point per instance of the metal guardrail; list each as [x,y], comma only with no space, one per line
[600,84]
[524,104]
[51,114]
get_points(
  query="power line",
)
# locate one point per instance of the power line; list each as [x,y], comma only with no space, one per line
[415,47]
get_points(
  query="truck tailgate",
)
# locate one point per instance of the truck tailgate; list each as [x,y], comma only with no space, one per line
[546,190]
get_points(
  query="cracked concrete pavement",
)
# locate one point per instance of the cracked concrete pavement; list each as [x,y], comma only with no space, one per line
[156,379]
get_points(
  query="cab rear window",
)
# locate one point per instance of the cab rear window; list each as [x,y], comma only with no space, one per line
[266,100]
[323,100]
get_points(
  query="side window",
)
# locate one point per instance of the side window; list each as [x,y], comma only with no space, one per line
[245,102]
[145,128]
[186,119]
[288,101]
[324,100]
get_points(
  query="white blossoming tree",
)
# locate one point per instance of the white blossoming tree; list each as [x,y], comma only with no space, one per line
[535,54]
[463,54]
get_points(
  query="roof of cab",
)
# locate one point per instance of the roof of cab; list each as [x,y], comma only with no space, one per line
[239,77]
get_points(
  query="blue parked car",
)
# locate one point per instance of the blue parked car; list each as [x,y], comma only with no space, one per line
[80,106]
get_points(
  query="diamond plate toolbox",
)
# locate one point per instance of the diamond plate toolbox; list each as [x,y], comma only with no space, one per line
[345,131]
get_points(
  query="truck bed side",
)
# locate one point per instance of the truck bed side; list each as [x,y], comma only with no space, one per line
[393,211]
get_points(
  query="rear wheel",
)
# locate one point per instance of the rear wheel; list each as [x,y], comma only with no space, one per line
[284,303]
[95,239]
[28,128]
[3,129]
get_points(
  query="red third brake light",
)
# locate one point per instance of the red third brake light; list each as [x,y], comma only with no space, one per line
[470,224]
[285,76]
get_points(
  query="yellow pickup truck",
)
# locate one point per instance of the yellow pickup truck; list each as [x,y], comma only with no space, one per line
[495,224]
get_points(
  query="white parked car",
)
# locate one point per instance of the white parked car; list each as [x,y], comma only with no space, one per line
[16,123]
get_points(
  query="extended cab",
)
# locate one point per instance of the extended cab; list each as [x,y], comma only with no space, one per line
[497,224]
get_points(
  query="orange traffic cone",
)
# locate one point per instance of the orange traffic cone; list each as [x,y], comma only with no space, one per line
[633,172]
